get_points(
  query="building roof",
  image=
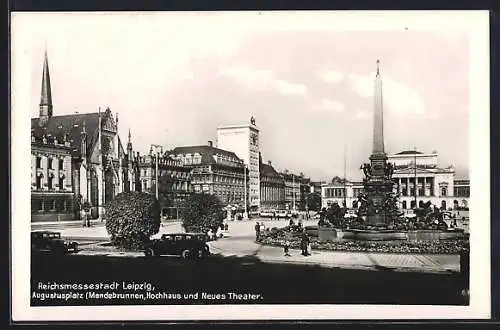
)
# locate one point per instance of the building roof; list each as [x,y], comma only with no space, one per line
[72,125]
[268,170]
[409,152]
[206,152]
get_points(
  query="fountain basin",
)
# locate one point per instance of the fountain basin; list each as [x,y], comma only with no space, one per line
[334,234]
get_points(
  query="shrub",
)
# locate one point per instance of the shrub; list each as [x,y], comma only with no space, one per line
[131,218]
[202,212]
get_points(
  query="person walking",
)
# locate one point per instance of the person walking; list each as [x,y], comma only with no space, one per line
[286,248]
[83,214]
[257,231]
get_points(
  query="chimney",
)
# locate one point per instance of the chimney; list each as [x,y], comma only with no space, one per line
[269,163]
[210,144]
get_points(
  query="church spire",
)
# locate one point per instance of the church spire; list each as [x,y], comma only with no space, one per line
[129,144]
[46,94]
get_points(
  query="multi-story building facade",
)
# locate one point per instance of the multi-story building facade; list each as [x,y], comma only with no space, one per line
[272,188]
[292,190]
[433,184]
[77,153]
[51,179]
[214,171]
[243,140]
[174,177]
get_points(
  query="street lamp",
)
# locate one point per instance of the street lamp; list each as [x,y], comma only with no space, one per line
[245,214]
[415,179]
[156,149]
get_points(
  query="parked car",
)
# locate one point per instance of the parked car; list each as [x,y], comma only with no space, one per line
[282,214]
[185,245]
[51,242]
[266,214]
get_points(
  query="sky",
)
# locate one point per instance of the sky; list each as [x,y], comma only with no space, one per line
[306,78]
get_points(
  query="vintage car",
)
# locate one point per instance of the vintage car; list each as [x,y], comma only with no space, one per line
[283,214]
[51,242]
[184,245]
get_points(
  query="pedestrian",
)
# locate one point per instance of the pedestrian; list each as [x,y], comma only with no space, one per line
[257,231]
[303,244]
[83,214]
[309,247]
[286,248]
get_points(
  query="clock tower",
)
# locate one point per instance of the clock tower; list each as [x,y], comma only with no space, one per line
[243,140]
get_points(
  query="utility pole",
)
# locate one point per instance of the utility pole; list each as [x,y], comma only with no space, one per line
[157,149]
[345,188]
[245,215]
[415,172]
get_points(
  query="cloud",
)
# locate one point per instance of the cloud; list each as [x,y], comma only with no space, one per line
[327,105]
[398,98]
[331,76]
[362,115]
[260,80]
[333,106]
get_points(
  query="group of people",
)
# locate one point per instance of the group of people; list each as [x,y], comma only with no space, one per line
[217,232]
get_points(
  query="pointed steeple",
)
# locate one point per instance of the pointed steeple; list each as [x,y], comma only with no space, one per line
[46,93]
[378,115]
[129,144]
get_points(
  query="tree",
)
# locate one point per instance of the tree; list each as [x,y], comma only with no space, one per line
[202,212]
[131,218]
[165,191]
[313,201]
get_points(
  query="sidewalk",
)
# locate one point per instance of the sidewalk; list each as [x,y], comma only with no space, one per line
[98,232]
[337,259]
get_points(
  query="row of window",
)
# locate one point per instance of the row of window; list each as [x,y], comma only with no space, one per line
[50,163]
[50,183]
[55,205]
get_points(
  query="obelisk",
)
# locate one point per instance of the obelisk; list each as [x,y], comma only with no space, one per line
[378,184]
[378,116]
[378,157]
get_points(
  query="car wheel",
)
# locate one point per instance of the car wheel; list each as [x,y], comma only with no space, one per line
[185,254]
[149,252]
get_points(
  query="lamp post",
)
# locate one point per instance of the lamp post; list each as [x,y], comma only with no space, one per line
[156,148]
[245,214]
[415,172]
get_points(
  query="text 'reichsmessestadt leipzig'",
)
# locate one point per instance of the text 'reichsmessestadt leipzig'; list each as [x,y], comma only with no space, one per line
[81,158]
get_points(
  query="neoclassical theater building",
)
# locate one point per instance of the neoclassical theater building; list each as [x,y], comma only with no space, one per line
[418,179]
[75,158]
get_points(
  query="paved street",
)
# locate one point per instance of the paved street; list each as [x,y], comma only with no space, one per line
[241,244]
[275,284]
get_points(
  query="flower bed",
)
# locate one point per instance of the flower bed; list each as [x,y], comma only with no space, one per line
[278,237]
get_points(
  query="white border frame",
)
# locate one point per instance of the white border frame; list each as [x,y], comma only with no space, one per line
[477,25]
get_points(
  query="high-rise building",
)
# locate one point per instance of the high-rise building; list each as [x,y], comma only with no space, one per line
[243,140]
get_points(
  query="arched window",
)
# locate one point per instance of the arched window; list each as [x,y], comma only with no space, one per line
[421,204]
[443,204]
[413,204]
[404,205]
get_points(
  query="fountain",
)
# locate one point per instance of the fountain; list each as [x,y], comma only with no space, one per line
[378,215]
